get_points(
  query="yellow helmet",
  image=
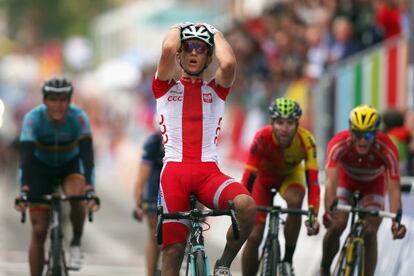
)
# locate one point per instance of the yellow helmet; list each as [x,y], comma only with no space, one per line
[364,118]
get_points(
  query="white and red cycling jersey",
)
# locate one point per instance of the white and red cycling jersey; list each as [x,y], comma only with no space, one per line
[366,173]
[190,115]
[383,156]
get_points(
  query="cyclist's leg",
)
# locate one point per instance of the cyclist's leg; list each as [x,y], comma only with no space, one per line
[40,181]
[293,192]
[331,240]
[174,197]
[250,256]
[74,185]
[371,246]
[261,195]
[373,197]
[39,217]
[215,192]
[152,249]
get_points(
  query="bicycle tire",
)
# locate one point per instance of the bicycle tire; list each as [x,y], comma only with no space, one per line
[357,265]
[56,253]
[200,262]
[340,266]
[270,258]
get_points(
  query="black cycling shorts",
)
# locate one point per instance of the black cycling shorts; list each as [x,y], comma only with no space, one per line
[44,179]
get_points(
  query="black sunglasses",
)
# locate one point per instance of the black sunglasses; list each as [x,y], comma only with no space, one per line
[200,48]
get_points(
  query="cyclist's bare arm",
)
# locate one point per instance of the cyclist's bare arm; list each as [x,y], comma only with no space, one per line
[332,175]
[170,45]
[394,195]
[226,60]
[144,171]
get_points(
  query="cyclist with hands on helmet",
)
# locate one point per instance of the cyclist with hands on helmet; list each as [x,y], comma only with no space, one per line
[190,113]
[361,158]
[56,148]
[276,161]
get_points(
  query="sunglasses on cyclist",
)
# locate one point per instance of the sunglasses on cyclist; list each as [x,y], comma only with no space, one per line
[200,48]
[367,135]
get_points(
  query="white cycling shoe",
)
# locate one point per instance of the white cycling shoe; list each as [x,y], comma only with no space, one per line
[75,257]
[221,271]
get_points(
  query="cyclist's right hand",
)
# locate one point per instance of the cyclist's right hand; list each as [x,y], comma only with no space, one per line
[327,219]
[19,205]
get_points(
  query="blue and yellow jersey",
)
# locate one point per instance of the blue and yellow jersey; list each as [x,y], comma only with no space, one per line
[55,144]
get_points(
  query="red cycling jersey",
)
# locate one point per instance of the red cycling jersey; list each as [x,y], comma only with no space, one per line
[281,168]
[382,156]
[363,172]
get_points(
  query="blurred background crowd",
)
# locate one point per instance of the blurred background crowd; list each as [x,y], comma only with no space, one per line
[305,49]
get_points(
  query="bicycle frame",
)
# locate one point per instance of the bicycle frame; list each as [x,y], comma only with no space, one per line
[196,255]
[197,260]
[56,262]
[270,257]
[351,260]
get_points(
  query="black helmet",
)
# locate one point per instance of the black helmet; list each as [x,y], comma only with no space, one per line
[57,85]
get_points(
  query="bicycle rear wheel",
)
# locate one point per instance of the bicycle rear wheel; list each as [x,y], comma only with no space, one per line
[270,260]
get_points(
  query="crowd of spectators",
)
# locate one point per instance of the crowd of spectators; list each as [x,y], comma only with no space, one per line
[290,43]
[294,42]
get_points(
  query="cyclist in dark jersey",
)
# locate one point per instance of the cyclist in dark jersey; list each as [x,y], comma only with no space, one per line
[56,149]
[146,193]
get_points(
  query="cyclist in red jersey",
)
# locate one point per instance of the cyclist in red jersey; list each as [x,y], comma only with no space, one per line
[364,159]
[190,113]
[276,161]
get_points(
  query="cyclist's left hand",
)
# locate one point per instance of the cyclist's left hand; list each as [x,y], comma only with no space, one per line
[398,233]
[312,229]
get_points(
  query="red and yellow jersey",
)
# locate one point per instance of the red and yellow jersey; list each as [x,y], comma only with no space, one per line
[268,158]
[382,157]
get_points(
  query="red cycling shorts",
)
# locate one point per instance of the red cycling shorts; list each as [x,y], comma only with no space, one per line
[372,192]
[204,179]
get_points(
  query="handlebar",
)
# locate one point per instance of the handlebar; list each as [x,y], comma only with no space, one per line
[196,215]
[280,210]
[49,198]
[310,213]
[366,211]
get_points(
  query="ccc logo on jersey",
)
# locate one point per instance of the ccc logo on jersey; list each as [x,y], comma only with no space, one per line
[175,98]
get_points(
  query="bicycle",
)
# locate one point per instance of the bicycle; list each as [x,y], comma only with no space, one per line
[270,259]
[197,260]
[56,262]
[351,260]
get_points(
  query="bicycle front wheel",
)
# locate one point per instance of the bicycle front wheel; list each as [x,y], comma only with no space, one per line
[357,265]
[340,266]
[200,263]
[55,263]
[270,258]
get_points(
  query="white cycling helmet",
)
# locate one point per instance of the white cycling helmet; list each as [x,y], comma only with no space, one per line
[197,32]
